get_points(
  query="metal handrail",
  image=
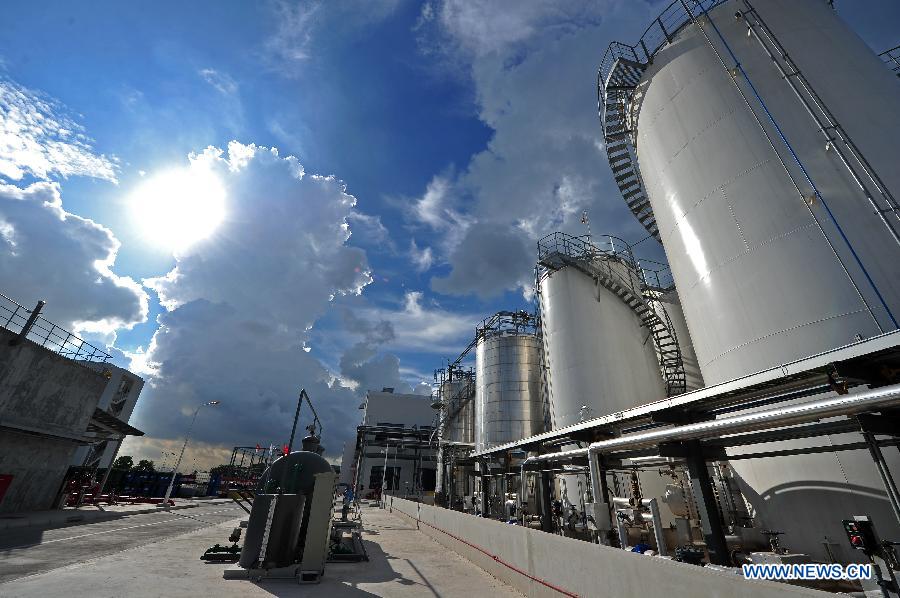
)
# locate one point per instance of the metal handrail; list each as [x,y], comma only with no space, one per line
[13,317]
[653,275]
[891,58]
[660,32]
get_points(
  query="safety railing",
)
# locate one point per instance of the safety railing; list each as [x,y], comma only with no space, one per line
[14,316]
[654,275]
[892,59]
[660,32]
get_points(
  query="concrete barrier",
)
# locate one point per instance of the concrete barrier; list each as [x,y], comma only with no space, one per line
[540,564]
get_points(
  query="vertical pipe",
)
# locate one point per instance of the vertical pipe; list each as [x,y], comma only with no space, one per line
[296,416]
[109,467]
[707,509]
[520,507]
[661,547]
[883,470]
[28,324]
[546,502]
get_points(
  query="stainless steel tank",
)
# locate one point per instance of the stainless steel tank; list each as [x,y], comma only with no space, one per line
[759,282]
[458,398]
[509,399]
[599,360]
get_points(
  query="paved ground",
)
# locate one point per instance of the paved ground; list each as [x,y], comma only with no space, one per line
[88,513]
[31,550]
[404,562]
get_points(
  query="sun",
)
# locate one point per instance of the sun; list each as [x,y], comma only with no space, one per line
[176,208]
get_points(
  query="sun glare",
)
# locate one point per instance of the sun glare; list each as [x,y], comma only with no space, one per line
[177,208]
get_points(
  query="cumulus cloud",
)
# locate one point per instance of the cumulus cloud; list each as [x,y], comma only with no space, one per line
[39,139]
[241,304]
[533,69]
[51,254]
[366,367]
[494,260]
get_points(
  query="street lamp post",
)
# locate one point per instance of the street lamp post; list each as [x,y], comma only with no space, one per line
[184,446]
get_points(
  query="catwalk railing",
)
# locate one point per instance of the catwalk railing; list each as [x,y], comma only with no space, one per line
[891,58]
[45,333]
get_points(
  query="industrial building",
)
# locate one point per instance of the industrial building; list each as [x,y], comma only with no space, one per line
[395,446]
[651,425]
[61,404]
[738,403]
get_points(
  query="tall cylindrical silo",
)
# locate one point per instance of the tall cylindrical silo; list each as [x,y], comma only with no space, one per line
[600,358]
[764,273]
[509,398]
[764,136]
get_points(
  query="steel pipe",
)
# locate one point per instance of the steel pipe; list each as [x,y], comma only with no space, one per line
[861,402]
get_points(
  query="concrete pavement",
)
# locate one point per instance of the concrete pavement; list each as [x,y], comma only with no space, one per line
[404,562]
[30,550]
[88,513]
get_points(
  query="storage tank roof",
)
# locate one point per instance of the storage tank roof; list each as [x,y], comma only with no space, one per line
[620,71]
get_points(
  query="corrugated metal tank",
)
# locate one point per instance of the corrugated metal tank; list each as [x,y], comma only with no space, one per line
[598,360]
[759,284]
[509,400]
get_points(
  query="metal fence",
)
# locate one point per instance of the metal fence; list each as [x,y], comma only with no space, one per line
[14,316]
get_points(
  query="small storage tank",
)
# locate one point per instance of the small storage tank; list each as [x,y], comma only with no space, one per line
[458,399]
[599,357]
[509,398]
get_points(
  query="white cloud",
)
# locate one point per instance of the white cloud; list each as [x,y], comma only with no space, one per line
[241,304]
[422,259]
[290,43]
[39,139]
[425,326]
[51,254]
[222,82]
[297,25]
[432,207]
[533,69]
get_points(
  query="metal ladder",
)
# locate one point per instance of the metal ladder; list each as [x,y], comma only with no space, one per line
[836,138]
[616,96]
[646,306]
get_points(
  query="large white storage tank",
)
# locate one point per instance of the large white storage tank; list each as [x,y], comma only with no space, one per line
[764,275]
[599,357]
[759,283]
[509,397]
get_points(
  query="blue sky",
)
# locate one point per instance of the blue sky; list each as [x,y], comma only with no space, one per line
[464,130]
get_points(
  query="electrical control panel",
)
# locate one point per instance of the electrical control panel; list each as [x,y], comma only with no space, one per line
[861,534]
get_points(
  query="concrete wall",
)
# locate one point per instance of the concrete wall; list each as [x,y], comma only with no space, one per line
[38,466]
[46,402]
[39,388]
[520,556]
